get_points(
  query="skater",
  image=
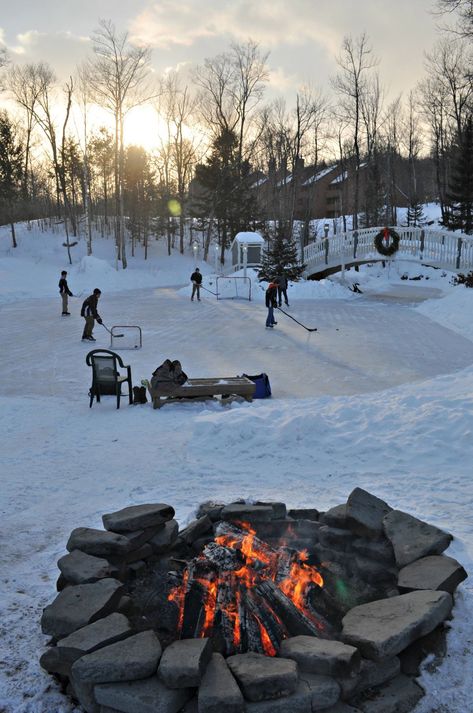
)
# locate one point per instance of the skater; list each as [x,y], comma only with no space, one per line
[89,312]
[281,281]
[64,291]
[196,279]
[271,296]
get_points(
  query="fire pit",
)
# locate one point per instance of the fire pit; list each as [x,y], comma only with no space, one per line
[251,608]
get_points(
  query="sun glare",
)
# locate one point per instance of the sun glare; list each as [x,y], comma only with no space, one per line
[144,127]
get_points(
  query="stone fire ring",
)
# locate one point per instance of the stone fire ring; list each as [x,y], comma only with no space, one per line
[108,665]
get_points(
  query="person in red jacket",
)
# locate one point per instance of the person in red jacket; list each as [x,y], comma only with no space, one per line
[90,314]
[271,297]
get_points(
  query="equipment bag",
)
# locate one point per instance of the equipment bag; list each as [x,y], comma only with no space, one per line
[263,387]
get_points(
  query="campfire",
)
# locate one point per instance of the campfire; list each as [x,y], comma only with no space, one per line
[246,595]
[249,604]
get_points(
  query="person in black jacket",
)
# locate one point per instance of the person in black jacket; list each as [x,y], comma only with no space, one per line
[89,312]
[64,291]
[271,297]
[281,281]
[196,279]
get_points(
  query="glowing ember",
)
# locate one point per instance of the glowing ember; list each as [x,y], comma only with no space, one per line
[227,575]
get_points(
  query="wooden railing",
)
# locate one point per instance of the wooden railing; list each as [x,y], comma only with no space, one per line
[450,251]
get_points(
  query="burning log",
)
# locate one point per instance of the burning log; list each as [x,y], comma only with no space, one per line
[296,622]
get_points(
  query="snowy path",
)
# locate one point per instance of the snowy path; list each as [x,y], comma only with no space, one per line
[381,403]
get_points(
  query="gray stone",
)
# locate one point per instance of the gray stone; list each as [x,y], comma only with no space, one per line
[434,572]
[297,702]
[335,537]
[98,542]
[335,517]
[191,706]
[279,509]
[149,695]
[141,553]
[247,513]
[84,692]
[321,656]
[210,508]
[375,571]
[371,674]
[135,657]
[59,659]
[400,695]
[412,538]
[262,677]
[184,662]
[80,568]
[379,551]
[324,691]
[196,529]
[164,539]
[138,517]
[137,538]
[219,691]
[304,514]
[338,708]
[79,605]
[383,628]
[365,513]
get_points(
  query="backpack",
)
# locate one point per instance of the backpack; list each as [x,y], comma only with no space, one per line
[263,387]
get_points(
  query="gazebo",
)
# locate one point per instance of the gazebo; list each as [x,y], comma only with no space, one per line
[247,248]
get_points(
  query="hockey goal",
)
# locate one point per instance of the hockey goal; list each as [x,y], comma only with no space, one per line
[233,288]
[125,337]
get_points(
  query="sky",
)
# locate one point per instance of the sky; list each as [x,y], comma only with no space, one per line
[303,37]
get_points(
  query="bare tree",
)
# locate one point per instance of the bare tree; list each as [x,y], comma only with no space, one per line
[117,80]
[23,82]
[464,10]
[84,97]
[355,61]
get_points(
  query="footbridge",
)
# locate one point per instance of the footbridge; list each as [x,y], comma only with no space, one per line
[442,249]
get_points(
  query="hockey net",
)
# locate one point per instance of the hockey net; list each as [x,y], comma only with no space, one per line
[125,337]
[233,288]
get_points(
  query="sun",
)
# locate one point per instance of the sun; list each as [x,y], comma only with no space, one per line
[144,127]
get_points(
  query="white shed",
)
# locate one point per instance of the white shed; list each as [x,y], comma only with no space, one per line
[247,250]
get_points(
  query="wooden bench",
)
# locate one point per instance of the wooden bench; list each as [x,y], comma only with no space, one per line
[203,389]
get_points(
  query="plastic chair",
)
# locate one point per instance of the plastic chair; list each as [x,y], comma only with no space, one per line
[106,377]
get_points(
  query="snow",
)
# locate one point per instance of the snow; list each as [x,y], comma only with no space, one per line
[380,397]
[248,237]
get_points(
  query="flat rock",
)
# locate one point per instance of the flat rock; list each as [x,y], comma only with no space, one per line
[80,568]
[98,542]
[279,509]
[365,513]
[412,538]
[138,517]
[436,572]
[149,695]
[324,690]
[335,517]
[335,537]
[321,656]
[210,508]
[165,538]
[379,551]
[247,513]
[297,702]
[400,695]
[337,708]
[262,677]
[383,628]
[59,659]
[219,691]
[184,662]
[137,538]
[79,605]
[304,514]
[135,657]
[196,529]
[371,674]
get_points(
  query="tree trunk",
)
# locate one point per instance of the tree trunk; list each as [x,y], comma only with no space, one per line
[13,236]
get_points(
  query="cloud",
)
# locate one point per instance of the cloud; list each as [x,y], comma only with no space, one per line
[62,50]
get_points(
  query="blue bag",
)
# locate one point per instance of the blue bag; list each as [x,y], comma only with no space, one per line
[263,387]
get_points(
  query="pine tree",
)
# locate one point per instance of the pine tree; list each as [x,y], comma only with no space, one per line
[281,257]
[415,214]
[460,194]
[11,173]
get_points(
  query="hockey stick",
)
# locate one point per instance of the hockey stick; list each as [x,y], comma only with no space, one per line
[110,332]
[207,290]
[296,320]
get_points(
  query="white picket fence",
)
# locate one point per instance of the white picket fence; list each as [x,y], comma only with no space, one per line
[450,251]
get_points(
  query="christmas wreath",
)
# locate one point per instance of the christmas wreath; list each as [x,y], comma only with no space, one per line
[387,241]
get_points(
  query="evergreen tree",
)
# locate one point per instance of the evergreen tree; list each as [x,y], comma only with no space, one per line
[11,173]
[415,213]
[281,257]
[460,194]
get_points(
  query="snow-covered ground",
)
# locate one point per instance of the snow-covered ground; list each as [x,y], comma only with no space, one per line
[379,397]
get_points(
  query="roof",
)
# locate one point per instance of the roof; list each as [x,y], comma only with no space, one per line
[249,238]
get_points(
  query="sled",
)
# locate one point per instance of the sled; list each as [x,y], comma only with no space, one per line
[202,389]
